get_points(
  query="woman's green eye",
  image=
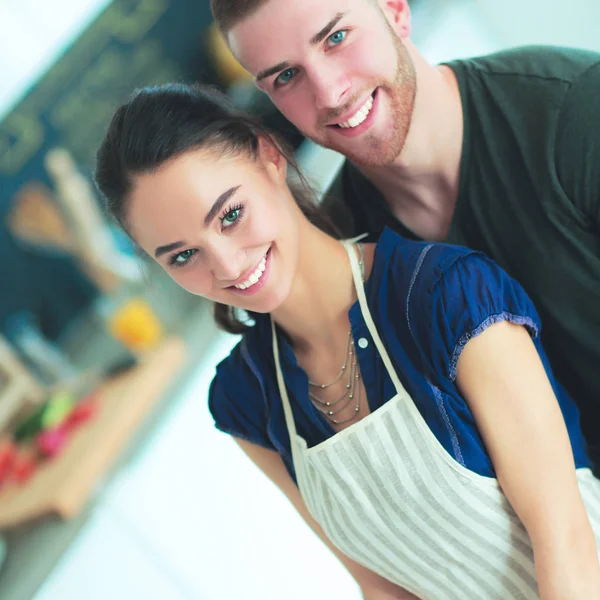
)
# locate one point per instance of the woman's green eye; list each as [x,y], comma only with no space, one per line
[184,256]
[232,216]
[337,37]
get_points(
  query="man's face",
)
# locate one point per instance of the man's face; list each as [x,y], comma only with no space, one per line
[336,69]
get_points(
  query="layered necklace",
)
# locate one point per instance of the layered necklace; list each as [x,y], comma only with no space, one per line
[350,371]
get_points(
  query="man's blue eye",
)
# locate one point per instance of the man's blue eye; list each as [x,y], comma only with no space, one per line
[337,37]
[285,76]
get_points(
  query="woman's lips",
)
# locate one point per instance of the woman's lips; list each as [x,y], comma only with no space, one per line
[261,280]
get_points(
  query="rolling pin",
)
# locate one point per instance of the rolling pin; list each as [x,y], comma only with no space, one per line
[92,238]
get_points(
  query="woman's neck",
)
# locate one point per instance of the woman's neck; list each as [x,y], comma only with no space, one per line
[315,313]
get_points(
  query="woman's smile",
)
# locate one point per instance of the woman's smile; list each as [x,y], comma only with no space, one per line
[253,281]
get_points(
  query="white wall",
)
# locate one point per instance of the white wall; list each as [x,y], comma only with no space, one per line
[33,34]
[555,22]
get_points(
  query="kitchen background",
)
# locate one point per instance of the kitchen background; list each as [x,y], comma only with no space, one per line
[120,487]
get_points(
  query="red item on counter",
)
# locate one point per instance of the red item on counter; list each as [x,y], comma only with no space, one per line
[8,454]
[24,467]
[83,411]
[51,442]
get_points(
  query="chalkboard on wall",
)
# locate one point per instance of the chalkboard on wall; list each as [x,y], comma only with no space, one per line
[131,44]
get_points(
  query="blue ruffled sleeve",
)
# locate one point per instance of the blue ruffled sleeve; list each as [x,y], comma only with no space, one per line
[236,400]
[469,296]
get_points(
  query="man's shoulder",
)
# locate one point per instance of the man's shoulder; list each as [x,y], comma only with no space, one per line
[541,62]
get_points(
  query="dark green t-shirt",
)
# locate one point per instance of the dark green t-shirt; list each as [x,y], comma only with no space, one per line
[529,197]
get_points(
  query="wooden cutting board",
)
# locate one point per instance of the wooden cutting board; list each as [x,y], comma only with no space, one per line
[62,486]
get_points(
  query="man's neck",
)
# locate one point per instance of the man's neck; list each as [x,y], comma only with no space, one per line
[421,186]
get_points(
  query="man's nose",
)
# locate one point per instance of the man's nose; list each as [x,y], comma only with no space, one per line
[330,86]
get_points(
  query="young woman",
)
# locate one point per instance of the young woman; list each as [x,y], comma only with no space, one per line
[396,391]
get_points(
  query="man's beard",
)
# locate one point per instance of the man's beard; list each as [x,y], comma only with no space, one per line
[380,149]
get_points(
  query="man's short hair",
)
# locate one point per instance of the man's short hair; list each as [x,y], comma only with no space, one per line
[228,13]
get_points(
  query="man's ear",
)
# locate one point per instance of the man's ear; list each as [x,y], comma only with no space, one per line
[272,158]
[397,12]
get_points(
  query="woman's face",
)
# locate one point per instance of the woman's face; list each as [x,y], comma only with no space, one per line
[222,226]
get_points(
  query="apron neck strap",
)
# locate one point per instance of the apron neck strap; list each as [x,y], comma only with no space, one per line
[362,300]
[366,313]
[287,409]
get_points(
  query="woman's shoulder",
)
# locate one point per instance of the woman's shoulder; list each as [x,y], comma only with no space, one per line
[244,365]
[237,397]
[418,265]
[455,294]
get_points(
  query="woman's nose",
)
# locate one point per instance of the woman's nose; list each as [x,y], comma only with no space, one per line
[227,264]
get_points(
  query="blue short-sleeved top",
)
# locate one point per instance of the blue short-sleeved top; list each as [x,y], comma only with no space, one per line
[427,301]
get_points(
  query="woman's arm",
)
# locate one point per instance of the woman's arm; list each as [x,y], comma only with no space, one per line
[372,585]
[505,384]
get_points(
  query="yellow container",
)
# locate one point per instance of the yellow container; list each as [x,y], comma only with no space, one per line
[135,325]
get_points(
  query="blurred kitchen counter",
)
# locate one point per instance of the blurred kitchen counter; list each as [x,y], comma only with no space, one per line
[35,548]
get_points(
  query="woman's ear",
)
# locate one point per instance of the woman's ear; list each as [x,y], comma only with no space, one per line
[272,159]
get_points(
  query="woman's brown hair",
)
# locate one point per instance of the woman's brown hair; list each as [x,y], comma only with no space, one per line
[160,123]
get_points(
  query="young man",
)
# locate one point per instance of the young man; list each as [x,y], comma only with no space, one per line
[500,153]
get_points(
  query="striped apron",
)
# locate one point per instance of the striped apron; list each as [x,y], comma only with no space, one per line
[389,496]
